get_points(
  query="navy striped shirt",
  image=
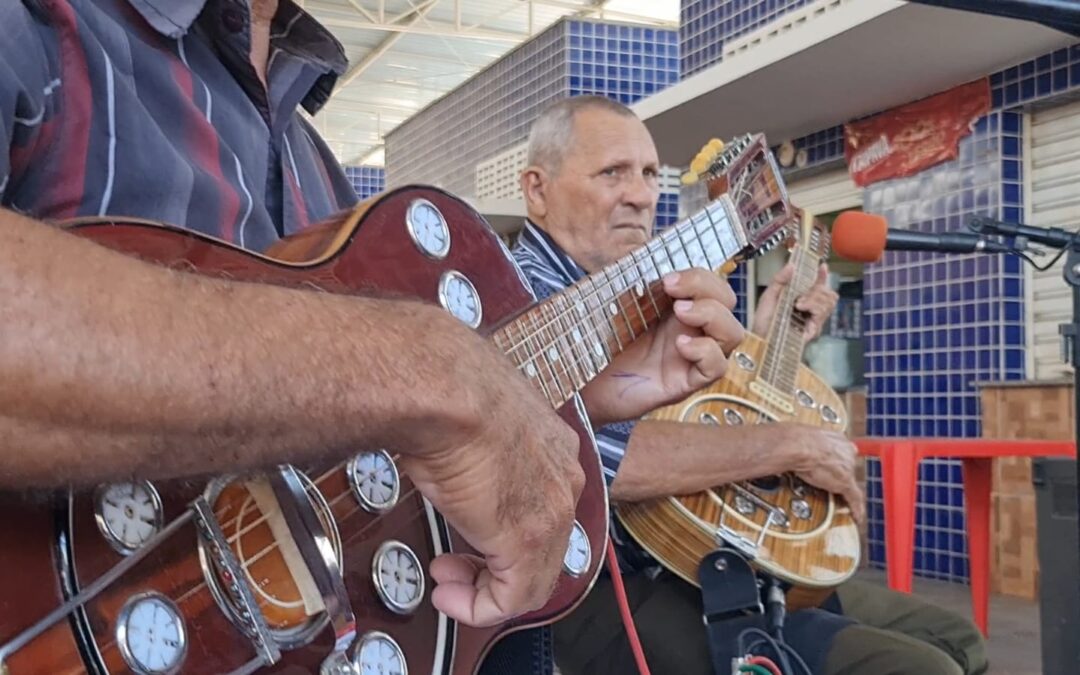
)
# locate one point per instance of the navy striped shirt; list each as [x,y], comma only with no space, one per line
[151,109]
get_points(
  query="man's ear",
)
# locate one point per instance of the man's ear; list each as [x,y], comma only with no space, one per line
[534,184]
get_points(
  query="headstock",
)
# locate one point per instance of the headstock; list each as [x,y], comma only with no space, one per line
[745,169]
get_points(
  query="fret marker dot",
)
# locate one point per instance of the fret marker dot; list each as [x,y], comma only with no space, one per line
[580,309]
[614,309]
[530,370]
[576,335]
[553,354]
[598,348]
[639,288]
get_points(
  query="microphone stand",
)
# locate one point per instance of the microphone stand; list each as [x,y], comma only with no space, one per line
[1058,238]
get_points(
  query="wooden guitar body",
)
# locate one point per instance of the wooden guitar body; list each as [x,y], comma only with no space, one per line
[52,548]
[816,553]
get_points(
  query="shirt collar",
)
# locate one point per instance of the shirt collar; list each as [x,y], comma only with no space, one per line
[553,254]
[294,31]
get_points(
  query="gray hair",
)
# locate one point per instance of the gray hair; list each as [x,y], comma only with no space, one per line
[553,131]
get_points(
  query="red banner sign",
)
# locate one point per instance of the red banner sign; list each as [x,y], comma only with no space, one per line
[905,140]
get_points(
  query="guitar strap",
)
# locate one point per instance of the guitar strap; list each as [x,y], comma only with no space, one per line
[731,600]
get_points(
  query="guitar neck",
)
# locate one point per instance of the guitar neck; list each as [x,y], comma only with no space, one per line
[562,343]
[785,341]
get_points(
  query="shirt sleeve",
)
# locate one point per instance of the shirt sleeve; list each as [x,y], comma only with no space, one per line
[27,85]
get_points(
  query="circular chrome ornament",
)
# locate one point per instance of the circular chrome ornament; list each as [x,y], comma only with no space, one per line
[744,505]
[428,229]
[829,415]
[805,399]
[374,480]
[578,556]
[800,508]
[398,577]
[733,417]
[458,296]
[378,654]
[744,361]
[128,514]
[151,636]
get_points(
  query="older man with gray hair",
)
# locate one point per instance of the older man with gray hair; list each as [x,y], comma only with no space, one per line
[591,190]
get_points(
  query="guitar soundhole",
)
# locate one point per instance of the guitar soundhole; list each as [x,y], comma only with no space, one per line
[829,415]
[248,531]
[767,483]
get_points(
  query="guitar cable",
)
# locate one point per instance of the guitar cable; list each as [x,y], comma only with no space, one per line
[624,610]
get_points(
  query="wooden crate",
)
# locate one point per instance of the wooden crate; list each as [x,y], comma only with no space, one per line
[1014,411]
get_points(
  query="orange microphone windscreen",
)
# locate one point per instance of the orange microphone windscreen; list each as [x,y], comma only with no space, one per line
[859,236]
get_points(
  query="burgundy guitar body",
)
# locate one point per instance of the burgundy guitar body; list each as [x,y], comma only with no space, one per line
[53,547]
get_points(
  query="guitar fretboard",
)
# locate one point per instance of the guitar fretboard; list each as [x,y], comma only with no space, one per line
[784,350]
[562,343]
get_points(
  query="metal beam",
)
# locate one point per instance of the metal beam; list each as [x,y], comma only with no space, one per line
[599,8]
[387,42]
[433,28]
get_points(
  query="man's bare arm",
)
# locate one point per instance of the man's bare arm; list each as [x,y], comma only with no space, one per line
[676,458]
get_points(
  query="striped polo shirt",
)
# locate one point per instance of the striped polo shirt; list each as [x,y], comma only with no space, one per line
[151,109]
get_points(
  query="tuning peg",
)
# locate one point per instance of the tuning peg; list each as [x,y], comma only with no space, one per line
[689,178]
[728,267]
[700,164]
[715,145]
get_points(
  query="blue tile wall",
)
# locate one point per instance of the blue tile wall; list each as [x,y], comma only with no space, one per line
[626,63]
[494,110]
[366,180]
[705,25]
[934,324]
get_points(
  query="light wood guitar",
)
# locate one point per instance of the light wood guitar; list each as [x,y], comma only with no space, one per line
[791,530]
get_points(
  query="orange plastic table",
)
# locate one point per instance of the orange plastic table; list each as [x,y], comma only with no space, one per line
[899,475]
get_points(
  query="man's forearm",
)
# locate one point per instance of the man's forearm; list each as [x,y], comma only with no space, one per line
[98,343]
[676,458]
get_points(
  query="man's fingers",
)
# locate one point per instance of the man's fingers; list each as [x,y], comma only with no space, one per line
[705,354]
[485,599]
[714,320]
[698,284]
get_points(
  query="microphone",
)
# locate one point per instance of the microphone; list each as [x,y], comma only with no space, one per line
[1054,237]
[862,237]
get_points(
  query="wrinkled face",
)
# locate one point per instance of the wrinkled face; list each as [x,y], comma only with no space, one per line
[600,202]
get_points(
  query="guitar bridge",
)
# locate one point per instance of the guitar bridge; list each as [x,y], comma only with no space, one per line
[740,542]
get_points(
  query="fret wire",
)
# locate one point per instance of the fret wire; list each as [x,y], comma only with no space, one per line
[617,301]
[648,285]
[603,309]
[602,338]
[567,340]
[577,344]
[686,252]
[551,346]
[632,289]
[696,240]
[543,355]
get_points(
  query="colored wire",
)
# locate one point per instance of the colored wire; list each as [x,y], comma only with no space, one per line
[765,662]
[624,610]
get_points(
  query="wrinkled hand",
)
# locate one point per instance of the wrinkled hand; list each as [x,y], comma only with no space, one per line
[826,459]
[509,486]
[818,302]
[687,351]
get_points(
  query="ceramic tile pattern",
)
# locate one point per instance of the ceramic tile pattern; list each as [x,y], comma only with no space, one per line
[494,110]
[366,180]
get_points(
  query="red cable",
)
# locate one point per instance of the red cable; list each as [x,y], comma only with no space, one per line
[624,610]
[764,662]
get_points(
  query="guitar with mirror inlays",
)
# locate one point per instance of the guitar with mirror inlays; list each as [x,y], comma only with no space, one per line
[798,533]
[324,568]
